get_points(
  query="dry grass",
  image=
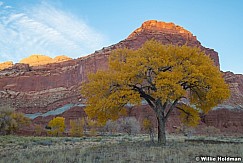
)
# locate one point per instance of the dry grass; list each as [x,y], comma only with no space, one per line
[120,148]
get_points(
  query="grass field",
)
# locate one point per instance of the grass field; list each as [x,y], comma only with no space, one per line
[116,148]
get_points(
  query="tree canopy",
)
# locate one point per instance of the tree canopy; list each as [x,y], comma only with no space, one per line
[11,121]
[57,126]
[167,77]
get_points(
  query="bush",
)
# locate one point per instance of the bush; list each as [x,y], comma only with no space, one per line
[11,121]
[149,128]
[38,129]
[57,126]
[77,127]
[92,124]
[128,125]
[110,126]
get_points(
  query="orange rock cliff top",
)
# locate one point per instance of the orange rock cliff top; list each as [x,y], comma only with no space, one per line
[154,25]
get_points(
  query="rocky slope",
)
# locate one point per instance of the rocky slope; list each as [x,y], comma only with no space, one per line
[41,88]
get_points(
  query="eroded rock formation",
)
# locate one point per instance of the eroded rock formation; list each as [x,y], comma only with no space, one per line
[37,60]
[235,82]
[41,88]
[5,65]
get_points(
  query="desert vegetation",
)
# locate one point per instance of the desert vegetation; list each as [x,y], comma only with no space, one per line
[56,126]
[115,148]
[11,121]
[123,140]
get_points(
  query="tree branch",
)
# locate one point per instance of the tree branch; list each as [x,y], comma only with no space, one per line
[150,100]
[183,110]
[166,68]
[171,108]
[149,78]
[188,114]
[194,90]
[150,103]
[113,87]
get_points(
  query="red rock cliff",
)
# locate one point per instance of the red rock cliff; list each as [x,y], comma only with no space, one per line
[167,33]
[45,87]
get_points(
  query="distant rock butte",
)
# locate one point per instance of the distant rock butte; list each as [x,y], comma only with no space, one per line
[37,60]
[5,65]
[167,33]
[163,27]
[42,87]
[61,58]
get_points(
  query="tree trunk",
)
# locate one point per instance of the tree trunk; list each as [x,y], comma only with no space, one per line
[161,130]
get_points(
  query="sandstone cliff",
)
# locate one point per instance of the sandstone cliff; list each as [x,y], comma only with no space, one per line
[167,33]
[235,82]
[42,87]
[5,65]
[35,87]
[37,59]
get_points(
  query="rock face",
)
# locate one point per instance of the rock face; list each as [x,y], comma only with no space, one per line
[35,87]
[235,82]
[37,60]
[61,58]
[5,65]
[167,33]
[42,88]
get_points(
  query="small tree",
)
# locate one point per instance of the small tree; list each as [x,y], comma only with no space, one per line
[167,77]
[77,127]
[92,124]
[149,128]
[57,126]
[38,129]
[11,121]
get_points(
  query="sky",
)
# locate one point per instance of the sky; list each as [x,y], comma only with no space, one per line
[77,28]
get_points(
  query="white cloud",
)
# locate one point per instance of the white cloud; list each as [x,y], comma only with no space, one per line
[44,29]
[7,7]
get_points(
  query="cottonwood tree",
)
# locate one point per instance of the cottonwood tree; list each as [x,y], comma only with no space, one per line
[167,77]
[57,126]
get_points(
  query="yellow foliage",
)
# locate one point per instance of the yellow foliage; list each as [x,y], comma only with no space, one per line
[57,125]
[189,116]
[147,124]
[38,129]
[20,119]
[77,127]
[92,124]
[11,121]
[160,74]
[93,132]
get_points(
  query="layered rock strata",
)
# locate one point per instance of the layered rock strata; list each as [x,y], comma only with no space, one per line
[41,88]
